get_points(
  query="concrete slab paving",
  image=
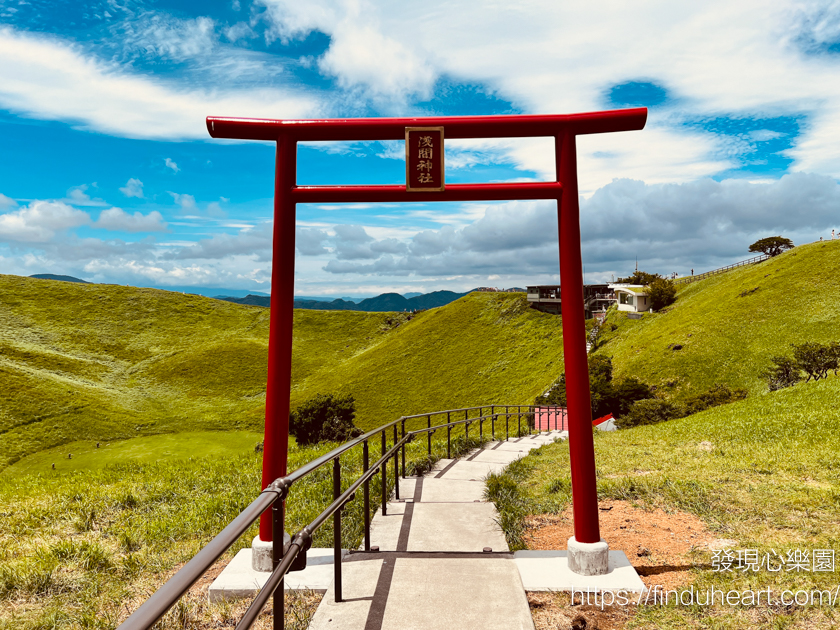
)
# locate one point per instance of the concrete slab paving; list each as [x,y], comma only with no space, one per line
[499,456]
[549,571]
[455,527]
[239,580]
[446,490]
[385,530]
[472,470]
[359,580]
[442,594]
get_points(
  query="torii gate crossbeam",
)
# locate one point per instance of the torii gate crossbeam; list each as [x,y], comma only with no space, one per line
[563,128]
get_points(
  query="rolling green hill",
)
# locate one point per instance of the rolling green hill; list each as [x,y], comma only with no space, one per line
[730,325]
[98,363]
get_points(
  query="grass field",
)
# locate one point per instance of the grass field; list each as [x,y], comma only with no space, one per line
[770,480]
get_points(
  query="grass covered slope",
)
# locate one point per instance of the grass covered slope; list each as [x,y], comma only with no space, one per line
[730,325]
[480,349]
[763,473]
[99,363]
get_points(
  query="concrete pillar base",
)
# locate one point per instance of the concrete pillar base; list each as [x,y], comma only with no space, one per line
[261,553]
[589,558]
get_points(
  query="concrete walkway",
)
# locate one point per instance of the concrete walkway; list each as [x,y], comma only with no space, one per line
[443,561]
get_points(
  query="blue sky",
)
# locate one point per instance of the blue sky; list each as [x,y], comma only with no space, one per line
[107,172]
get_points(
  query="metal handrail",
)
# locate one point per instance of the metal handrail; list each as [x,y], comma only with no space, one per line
[274,495]
[706,274]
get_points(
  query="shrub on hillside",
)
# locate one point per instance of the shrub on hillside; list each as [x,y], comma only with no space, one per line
[785,372]
[654,410]
[324,418]
[606,396]
[648,411]
[816,359]
[626,392]
[718,394]
[662,293]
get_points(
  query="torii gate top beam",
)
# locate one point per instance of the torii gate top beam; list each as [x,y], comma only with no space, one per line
[359,129]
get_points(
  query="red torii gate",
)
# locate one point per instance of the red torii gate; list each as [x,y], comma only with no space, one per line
[564,129]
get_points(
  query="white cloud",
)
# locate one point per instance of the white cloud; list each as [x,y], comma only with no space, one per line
[78,197]
[7,202]
[48,78]
[116,219]
[187,202]
[133,188]
[40,221]
[170,164]
[164,36]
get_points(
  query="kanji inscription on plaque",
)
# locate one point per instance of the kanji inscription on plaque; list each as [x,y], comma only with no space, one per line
[424,159]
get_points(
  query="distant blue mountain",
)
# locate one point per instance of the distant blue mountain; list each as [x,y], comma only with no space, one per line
[381,303]
[52,276]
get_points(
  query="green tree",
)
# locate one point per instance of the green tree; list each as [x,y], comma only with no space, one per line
[639,277]
[772,245]
[816,359]
[324,418]
[784,372]
[662,293]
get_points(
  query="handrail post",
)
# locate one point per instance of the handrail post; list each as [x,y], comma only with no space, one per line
[365,466]
[493,421]
[396,467]
[403,449]
[481,424]
[448,438]
[337,529]
[518,421]
[507,423]
[278,513]
[466,427]
[429,434]
[383,470]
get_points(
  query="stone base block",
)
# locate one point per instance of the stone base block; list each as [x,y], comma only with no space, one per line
[589,558]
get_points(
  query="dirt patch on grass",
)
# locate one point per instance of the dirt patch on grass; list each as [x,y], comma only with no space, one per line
[656,542]
[659,545]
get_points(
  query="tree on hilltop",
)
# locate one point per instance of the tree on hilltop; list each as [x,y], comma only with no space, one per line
[772,245]
[639,277]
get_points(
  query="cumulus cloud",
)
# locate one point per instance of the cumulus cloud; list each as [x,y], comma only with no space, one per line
[170,164]
[309,241]
[40,221]
[116,219]
[253,242]
[133,188]
[669,227]
[187,202]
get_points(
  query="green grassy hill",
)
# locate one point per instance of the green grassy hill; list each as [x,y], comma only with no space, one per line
[81,364]
[730,325]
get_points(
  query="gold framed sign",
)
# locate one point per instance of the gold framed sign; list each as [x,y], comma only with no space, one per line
[424,159]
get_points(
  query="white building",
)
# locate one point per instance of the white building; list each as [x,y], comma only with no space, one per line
[631,297]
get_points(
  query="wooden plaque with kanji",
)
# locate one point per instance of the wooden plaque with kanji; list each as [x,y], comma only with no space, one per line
[424,159]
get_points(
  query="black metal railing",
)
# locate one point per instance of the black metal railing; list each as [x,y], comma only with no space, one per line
[293,558]
[714,272]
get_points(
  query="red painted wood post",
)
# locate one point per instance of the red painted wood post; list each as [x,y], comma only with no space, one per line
[276,444]
[581,444]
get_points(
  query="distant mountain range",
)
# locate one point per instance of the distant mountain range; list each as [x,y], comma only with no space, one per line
[378,304]
[381,303]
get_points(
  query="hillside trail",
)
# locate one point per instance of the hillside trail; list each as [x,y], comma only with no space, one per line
[442,559]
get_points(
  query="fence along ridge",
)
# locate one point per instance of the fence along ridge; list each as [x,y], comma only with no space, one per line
[706,274]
